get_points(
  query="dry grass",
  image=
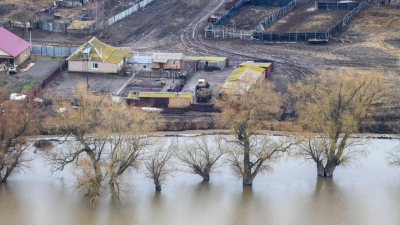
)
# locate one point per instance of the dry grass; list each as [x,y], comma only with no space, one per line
[32,3]
[380,25]
[315,22]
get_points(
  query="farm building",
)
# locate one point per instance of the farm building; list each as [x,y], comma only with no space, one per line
[167,61]
[161,99]
[141,62]
[96,57]
[70,3]
[244,76]
[216,63]
[81,27]
[13,49]
[265,65]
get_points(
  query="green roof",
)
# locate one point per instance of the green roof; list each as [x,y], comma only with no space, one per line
[99,52]
[80,25]
[165,95]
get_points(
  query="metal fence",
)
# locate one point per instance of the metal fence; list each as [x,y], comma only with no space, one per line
[337,6]
[219,31]
[52,51]
[346,19]
[298,36]
[52,26]
[231,12]
[110,21]
[49,78]
[276,15]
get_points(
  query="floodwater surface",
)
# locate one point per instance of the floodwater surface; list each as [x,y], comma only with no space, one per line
[367,192]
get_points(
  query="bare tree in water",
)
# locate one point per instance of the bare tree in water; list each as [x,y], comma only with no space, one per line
[159,166]
[109,139]
[334,106]
[251,106]
[393,157]
[201,155]
[17,120]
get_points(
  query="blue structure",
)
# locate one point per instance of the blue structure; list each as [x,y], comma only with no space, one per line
[270,2]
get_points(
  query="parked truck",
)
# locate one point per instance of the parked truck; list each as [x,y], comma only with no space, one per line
[202,83]
[203,95]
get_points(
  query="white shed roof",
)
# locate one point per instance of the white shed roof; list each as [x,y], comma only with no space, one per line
[164,57]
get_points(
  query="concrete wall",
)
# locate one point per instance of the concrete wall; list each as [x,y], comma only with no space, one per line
[103,67]
[168,66]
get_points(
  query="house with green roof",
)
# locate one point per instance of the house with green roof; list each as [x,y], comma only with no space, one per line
[96,57]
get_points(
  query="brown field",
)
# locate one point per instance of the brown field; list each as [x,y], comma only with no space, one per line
[305,17]
[369,41]
[250,16]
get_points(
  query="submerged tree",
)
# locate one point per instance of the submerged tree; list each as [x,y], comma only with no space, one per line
[109,136]
[17,120]
[159,166]
[250,109]
[393,157]
[201,155]
[334,106]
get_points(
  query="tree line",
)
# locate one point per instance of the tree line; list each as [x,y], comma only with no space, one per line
[110,139]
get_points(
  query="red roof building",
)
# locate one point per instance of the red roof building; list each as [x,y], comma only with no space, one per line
[13,49]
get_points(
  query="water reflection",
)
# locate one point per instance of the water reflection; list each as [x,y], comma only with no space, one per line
[368,193]
[244,208]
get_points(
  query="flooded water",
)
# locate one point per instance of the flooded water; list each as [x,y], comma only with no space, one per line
[367,192]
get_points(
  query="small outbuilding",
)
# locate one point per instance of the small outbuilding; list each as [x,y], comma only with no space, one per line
[201,62]
[13,49]
[141,62]
[167,61]
[81,27]
[161,99]
[70,3]
[96,57]
[265,65]
[243,77]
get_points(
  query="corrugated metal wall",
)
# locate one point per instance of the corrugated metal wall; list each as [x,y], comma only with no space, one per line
[52,26]
[52,51]
[127,12]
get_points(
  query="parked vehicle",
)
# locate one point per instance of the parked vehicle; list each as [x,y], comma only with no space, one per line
[202,83]
[11,70]
[203,95]
[162,81]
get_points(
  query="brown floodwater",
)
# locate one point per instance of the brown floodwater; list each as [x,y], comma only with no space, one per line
[367,192]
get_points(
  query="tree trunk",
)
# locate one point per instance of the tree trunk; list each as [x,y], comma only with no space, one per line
[320,169]
[247,177]
[206,173]
[157,184]
[327,170]
[112,189]
[206,176]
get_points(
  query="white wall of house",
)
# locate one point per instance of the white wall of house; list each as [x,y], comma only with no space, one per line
[94,67]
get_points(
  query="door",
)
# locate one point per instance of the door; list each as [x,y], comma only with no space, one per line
[12,61]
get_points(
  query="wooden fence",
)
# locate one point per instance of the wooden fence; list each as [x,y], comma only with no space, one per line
[52,75]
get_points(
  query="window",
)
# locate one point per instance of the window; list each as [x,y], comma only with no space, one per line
[174,62]
[26,52]
[95,66]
